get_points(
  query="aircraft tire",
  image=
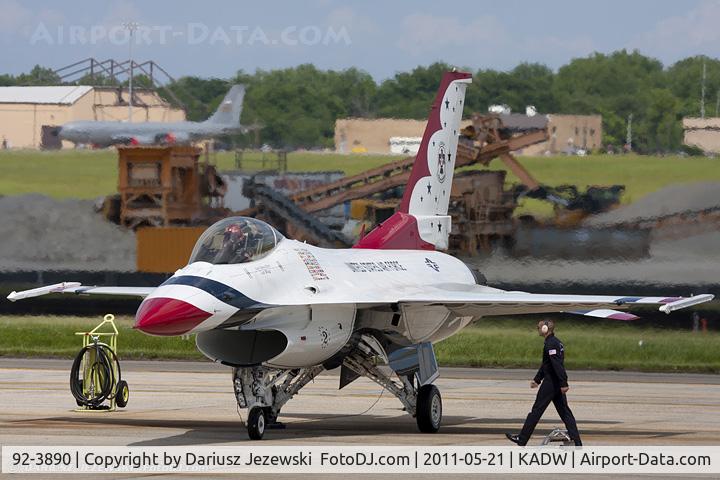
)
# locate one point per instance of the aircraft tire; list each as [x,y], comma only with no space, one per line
[429,409]
[256,423]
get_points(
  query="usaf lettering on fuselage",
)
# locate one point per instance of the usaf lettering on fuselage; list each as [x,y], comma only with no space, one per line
[386,266]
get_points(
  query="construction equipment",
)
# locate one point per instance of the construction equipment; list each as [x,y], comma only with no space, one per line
[395,174]
[158,185]
[95,377]
[571,206]
[163,186]
[482,208]
[484,212]
[298,224]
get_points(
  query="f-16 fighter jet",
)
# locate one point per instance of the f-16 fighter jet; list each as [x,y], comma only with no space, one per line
[280,312]
[225,120]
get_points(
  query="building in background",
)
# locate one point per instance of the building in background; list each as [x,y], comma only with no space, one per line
[29,116]
[568,134]
[372,135]
[703,133]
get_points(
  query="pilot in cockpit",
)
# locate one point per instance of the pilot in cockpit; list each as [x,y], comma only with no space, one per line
[239,244]
[233,246]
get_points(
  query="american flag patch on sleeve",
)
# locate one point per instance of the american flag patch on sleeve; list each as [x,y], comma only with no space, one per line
[552,352]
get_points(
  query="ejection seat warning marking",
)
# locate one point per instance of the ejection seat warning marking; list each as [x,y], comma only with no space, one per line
[313,266]
[264,269]
[387,266]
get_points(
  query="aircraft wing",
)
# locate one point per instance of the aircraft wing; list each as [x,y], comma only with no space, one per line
[481,301]
[78,289]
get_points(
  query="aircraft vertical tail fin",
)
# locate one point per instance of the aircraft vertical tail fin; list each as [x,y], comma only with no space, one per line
[421,221]
[229,110]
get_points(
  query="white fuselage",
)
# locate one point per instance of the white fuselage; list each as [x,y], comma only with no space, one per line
[347,288]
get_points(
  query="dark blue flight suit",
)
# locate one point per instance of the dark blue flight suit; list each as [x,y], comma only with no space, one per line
[551,376]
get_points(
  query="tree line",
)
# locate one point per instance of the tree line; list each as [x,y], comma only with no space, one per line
[297,107]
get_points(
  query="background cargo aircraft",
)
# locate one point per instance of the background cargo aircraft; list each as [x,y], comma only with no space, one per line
[280,311]
[225,120]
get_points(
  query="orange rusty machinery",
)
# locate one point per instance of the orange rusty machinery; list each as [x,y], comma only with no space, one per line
[163,193]
[482,211]
[164,186]
[158,186]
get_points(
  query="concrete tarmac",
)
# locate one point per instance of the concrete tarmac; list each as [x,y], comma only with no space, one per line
[191,403]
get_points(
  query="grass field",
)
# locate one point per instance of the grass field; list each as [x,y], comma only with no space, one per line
[90,174]
[499,343]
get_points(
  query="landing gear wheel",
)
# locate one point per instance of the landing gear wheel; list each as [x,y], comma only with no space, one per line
[429,409]
[122,394]
[256,423]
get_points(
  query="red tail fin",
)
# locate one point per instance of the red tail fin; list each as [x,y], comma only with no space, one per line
[422,222]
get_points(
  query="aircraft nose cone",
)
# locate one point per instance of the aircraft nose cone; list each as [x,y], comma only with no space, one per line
[168,316]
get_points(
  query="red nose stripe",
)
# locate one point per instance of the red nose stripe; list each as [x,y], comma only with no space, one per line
[168,316]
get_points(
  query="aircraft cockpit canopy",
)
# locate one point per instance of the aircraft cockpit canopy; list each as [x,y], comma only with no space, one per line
[235,240]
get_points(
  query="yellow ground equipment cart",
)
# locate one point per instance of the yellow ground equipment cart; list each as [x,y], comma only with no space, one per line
[95,378]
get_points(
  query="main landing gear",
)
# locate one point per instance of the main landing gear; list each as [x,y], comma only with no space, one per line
[422,402]
[429,409]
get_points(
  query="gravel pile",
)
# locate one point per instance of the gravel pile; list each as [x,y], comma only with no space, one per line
[41,233]
[673,200]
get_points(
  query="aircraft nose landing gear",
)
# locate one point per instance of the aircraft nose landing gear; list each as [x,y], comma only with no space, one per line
[256,423]
[264,391]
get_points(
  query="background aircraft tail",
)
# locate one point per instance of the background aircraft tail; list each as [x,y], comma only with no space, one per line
[421,221]
[228,113]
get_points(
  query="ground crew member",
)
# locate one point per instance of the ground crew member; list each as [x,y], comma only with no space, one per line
[552,379]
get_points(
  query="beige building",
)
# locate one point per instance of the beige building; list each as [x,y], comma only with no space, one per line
[360,135]
[703,133]
[569,133]
[365,135]
[29,116]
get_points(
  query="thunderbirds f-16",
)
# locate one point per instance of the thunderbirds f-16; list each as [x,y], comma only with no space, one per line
[280,312]
[225,120]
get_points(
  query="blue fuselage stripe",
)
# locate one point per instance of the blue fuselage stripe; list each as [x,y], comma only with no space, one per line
[219,290]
